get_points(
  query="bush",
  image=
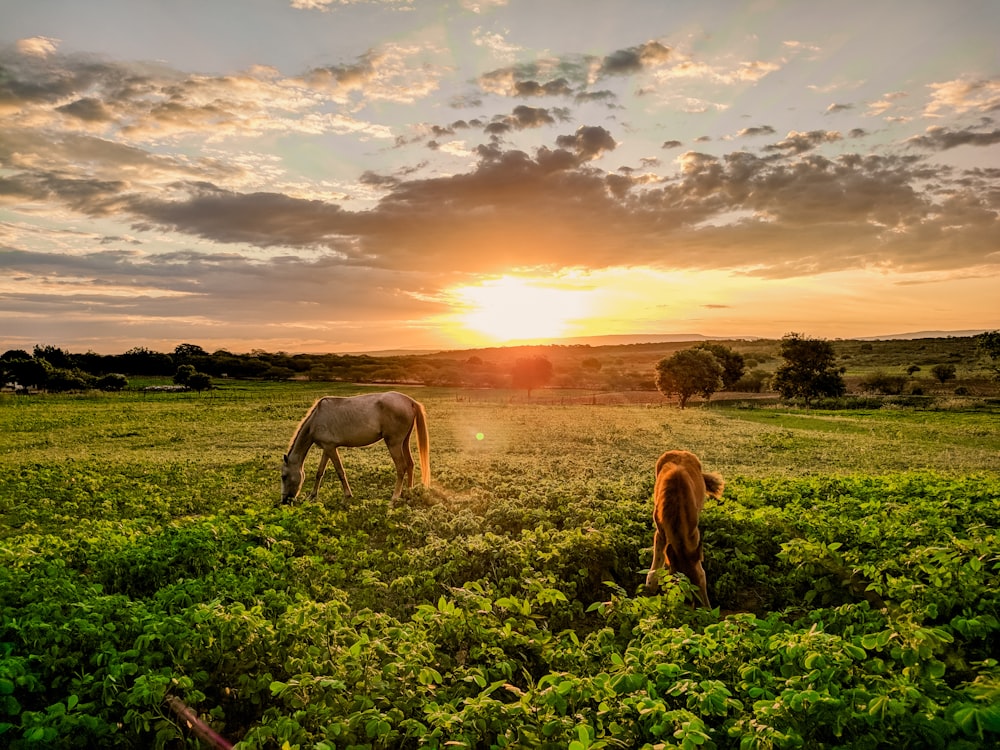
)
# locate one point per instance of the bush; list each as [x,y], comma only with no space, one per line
[112,382]
[883,383]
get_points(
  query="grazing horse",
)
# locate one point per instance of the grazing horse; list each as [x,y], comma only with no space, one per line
[351,422]
[678,497]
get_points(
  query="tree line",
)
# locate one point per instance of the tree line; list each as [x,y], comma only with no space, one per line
[808,369]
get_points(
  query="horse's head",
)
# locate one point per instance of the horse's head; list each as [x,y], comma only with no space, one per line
[291,480]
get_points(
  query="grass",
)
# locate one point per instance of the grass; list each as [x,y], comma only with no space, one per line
[144,553]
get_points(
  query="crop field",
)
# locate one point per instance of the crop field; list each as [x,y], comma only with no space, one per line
[147,563]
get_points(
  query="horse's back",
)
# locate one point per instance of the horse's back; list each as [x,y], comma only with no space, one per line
[354,421]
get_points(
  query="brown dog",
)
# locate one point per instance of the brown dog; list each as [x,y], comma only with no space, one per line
[678,497]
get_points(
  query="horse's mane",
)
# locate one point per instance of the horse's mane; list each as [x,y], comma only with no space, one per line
[302,422]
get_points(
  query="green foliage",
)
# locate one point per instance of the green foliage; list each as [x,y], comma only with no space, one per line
[689,372]
[733,363]
[530,373]
[143,555]
[943,372]
[809,369]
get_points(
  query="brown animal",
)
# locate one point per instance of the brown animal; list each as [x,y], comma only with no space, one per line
[678,497]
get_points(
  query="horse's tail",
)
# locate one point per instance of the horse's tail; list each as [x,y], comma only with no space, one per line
[714,485]
[423,444]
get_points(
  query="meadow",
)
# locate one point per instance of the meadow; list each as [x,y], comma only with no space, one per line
[852,562]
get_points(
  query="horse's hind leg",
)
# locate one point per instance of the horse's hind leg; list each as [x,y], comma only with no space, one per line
[403,460]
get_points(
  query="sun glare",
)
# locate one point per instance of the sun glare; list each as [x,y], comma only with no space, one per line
[510,308]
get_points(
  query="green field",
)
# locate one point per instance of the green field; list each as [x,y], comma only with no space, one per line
[853,562]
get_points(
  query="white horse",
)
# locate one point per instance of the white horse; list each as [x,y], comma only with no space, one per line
[351,422]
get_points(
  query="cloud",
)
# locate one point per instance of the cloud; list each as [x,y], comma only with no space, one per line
[495,42]
[634,59]
[963,96]
[324,5]
[801,142]
[941,139]
[393,72]
[760,130]
[37,46]
[142,102]
[589,142]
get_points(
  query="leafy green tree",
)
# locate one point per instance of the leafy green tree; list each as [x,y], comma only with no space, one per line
[54,356]
[733,364]
[689,372]
[113,381]
[530,373]
[142,361]
[200,381]
[184,374]
[63,379]
[943,372]
[989,344]
[809,370]
[884,383]
[26,372]
[753,382]
[186,351]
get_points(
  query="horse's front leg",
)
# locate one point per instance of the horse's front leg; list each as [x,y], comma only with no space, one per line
[339,466]
[319,475]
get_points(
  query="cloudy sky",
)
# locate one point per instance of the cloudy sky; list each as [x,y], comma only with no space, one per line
[358,175]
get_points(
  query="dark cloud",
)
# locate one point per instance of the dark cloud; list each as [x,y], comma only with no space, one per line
[571,75]
[942,139]
[589,142]
[634,59]
[87,108]
[558,87]
[672,144]
[523,117]
[760,130]
[603,95]
[801,142]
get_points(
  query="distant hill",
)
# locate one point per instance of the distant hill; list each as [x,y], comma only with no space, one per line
[635,338]
[631,339]
[923,335]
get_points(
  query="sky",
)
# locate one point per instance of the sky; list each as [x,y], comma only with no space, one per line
[368,175]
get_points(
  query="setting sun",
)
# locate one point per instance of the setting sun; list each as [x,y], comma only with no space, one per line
[510,308]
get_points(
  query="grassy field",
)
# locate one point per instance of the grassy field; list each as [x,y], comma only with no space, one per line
[853,560]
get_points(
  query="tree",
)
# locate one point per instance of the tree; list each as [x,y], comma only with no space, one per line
[142,361]
[989,344]
[63,379]
[688,372]
[184,374]
[733,364]
[113,381]
[186,351]
[943,372]
[809,369]
[200,381]
[54,356]
[530,373]
[26,372]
